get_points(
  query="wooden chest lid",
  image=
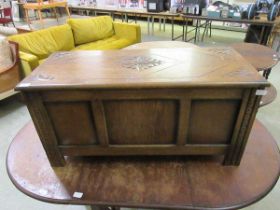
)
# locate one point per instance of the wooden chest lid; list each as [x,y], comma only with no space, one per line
[153,68]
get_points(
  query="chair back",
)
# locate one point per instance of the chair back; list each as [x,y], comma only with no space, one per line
[8,12]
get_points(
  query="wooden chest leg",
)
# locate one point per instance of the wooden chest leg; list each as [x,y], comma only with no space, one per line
[236,150]
[44,128]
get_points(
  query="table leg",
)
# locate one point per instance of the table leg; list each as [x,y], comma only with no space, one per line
[195,35]
[41,18]
[148,22]
[172,28]
[55,13]
[164,21]
[153,23]
[113,15]
[27,17]
[67,11]
[262,35]
[183,36]
[210,29]
[199,25]
[126,18]
[205,30]
[186,31]
[266,73]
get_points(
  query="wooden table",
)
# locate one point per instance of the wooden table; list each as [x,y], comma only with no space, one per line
[263,22]
[132,12]
[261,57]
[173,183]
[41,5]
[161,44]
[269,97]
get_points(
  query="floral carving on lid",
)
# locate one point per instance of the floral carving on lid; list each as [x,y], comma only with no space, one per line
[142,63]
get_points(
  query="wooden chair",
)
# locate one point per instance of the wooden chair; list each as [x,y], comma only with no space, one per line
[41,5]
[11,76]
[7,17]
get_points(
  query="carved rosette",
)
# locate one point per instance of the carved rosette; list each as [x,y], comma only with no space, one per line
[141,63]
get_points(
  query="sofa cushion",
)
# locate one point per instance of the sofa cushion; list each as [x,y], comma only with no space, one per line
[7,31]
[113,42]
[6,60]
[91,29]
[44,42]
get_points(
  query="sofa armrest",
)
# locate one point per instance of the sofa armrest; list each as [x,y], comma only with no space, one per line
[128,31]
[28,62]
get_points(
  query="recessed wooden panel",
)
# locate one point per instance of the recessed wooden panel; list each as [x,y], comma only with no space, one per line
[212,121]
[73,122]
[141,121]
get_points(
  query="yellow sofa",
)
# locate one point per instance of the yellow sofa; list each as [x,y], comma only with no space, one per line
[97,33]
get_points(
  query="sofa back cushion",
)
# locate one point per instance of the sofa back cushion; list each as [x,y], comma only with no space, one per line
[44,42]
[87,30]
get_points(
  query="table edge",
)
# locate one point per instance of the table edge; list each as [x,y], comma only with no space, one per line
[126,205]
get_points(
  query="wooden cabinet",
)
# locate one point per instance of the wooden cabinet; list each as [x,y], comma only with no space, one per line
[144,102]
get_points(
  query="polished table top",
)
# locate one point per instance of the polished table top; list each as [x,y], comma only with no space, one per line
[269,97]
[185,183]
[161,44]
[260,56]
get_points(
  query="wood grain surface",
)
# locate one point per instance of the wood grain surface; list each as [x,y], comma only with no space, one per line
[161,44]
[260,56]
[184,183]
[147,68]
[145,102]
[269,97]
